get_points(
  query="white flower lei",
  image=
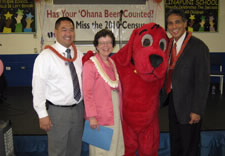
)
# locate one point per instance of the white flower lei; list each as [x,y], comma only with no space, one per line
[104,75]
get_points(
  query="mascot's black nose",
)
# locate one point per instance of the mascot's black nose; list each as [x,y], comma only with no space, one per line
[155,60]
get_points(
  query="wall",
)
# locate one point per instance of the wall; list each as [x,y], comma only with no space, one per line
[18,69]
[18,51]
[31,43]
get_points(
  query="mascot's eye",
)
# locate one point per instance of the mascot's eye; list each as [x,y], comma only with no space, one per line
[147,40]
[163,44]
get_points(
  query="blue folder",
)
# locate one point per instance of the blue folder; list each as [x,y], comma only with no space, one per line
[101,138]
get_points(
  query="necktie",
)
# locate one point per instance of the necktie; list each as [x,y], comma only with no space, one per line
[171,68]
[76,87]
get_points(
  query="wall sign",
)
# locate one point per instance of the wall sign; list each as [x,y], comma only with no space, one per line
[121,19]
[17,16]
[99,2]
[202,15]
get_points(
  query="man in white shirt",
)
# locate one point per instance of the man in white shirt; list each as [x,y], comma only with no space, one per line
[60,111]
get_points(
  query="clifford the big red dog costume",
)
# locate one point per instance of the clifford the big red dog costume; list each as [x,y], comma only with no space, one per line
[142,64]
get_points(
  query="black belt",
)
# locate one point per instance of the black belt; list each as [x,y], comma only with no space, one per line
[50,103]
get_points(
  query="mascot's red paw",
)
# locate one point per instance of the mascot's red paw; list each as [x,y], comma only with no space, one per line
[142,65]
[87,56]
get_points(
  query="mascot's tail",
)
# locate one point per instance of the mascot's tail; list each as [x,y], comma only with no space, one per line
[87,56]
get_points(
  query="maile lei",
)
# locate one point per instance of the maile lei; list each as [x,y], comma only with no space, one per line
[104,75]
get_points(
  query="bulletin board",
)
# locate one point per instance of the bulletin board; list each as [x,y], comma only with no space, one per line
[17,16]
[202,15]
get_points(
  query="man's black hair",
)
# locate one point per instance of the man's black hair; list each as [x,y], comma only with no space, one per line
[59,20]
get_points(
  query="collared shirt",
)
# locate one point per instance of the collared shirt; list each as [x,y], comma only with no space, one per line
[98,93]
[52,79]
[179,45]
[180,42]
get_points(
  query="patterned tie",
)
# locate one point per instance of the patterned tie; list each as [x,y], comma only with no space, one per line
[170,71]
[76,87]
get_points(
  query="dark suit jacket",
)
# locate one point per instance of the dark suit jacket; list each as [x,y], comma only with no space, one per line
[191,79]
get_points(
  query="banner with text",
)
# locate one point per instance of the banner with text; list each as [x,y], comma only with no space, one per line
[202,15]
[121,19]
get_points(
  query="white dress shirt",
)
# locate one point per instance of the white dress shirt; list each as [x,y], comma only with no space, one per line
[52,79]
[180,42]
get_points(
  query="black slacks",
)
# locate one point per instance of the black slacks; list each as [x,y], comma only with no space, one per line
[184,138]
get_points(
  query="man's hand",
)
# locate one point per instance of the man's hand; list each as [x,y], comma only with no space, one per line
[45,123]
[195,118]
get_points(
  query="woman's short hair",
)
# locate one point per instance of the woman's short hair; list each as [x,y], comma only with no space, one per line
[104,33]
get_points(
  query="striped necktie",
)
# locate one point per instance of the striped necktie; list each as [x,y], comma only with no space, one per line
[76,87]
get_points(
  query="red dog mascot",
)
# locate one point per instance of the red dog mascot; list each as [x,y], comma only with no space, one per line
[142,65]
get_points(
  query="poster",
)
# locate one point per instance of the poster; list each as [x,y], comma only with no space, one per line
[17,16]
[89,19]
[202,15]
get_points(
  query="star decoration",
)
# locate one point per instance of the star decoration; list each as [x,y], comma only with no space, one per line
[19,12]
[8,15]
[29,15]
[203,18]
[192,17]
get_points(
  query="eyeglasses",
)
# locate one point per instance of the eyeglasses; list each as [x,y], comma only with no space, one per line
[105,43]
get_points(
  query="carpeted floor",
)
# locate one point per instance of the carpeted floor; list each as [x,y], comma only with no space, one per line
[18,108]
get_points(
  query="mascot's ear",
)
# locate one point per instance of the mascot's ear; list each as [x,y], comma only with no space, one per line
[87,56]
[123,56]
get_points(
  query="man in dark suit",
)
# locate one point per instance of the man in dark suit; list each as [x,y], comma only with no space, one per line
[187,85]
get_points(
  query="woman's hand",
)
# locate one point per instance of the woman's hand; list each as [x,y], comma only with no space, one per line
[94,123]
